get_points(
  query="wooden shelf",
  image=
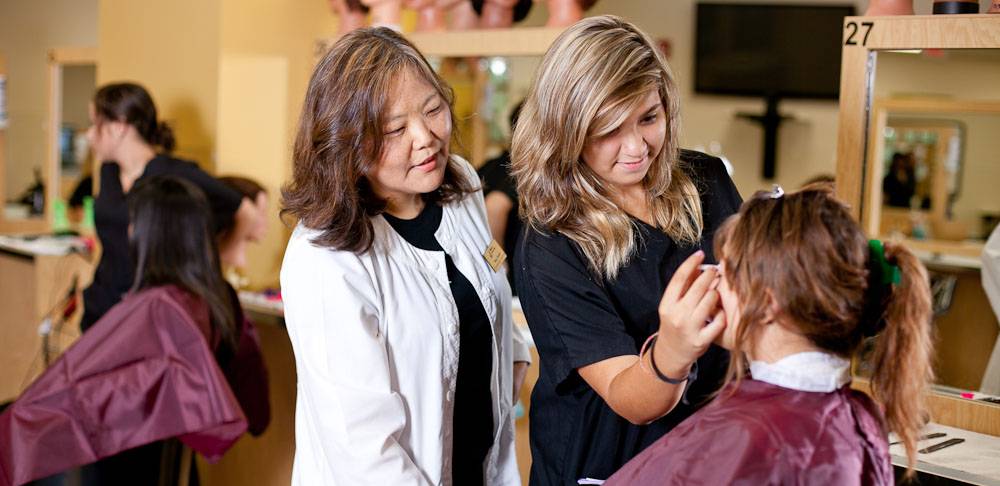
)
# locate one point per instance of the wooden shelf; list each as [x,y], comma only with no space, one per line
[73,55]
[937,105]
[517,41]
[971,249]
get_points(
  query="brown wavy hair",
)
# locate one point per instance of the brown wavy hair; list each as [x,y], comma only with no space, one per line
[589,80]
[804,257]
[341,133]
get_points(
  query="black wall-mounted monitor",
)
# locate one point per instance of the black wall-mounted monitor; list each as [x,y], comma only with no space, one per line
[775,51]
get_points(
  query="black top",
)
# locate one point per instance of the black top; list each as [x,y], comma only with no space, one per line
[84,188]
[577,319]
[898,192]
[472,422]
[495,174]
[115,272]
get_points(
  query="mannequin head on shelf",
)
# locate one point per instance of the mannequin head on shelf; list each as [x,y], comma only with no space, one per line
[563,13]
[497,14]
[385,13]
[430,17]
[889,7]
[232,247]
[461,15]
[351,14]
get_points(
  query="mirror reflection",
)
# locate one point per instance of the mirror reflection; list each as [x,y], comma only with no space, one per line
[28,158]
[931,173]
[75,164]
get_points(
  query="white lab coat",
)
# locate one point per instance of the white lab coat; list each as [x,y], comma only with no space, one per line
[376,349]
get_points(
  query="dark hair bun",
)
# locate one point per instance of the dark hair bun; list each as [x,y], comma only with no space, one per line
[165,137]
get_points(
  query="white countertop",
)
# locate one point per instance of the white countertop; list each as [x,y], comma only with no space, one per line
[975,461]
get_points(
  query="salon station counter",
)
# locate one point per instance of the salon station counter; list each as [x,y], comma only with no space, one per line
[37,276]
[974,461]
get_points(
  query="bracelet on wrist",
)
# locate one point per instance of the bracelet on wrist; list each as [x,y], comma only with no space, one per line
[651,342]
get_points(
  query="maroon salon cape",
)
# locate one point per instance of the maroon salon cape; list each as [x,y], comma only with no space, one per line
[143,373]
[766,434]
[245,370]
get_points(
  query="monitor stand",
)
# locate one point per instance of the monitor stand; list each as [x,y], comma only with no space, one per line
[770,120]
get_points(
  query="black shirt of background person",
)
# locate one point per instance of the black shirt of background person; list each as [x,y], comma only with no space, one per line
[495,174]
[84,187]
[577,319]
[472,422]
[899,187]
[115,272]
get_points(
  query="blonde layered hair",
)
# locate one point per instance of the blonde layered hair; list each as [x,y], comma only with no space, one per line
[589,81]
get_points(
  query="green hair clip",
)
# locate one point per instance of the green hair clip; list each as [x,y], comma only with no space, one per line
[883,272]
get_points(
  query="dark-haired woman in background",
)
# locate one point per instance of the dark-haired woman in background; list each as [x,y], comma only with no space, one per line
[125,135]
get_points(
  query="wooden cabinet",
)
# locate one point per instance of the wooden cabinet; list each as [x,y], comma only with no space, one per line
[31,287]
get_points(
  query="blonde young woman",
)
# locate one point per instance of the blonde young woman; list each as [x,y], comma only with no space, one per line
[401,328]
[614,208]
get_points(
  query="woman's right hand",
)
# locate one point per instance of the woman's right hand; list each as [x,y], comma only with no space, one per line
[688,302]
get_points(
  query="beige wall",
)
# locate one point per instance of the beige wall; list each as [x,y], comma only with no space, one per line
[267,54]
[980,169]
[78,89]
[28,29]
[171,48]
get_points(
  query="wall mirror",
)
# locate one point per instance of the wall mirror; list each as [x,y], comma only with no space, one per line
[932,162]
[48,162]
[72,83]
[919,162]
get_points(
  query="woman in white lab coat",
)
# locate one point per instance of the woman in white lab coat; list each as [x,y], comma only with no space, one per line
[396,300]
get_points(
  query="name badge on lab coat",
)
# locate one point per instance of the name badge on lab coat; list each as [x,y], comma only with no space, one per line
[494,255]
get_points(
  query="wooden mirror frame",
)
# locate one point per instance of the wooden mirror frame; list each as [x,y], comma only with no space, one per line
[58,59]
[863,38]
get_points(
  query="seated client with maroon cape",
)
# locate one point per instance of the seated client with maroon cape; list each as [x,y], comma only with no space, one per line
[175,358]
[801,287]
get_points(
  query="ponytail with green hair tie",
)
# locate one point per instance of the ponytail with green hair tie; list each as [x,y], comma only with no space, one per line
[882,275]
